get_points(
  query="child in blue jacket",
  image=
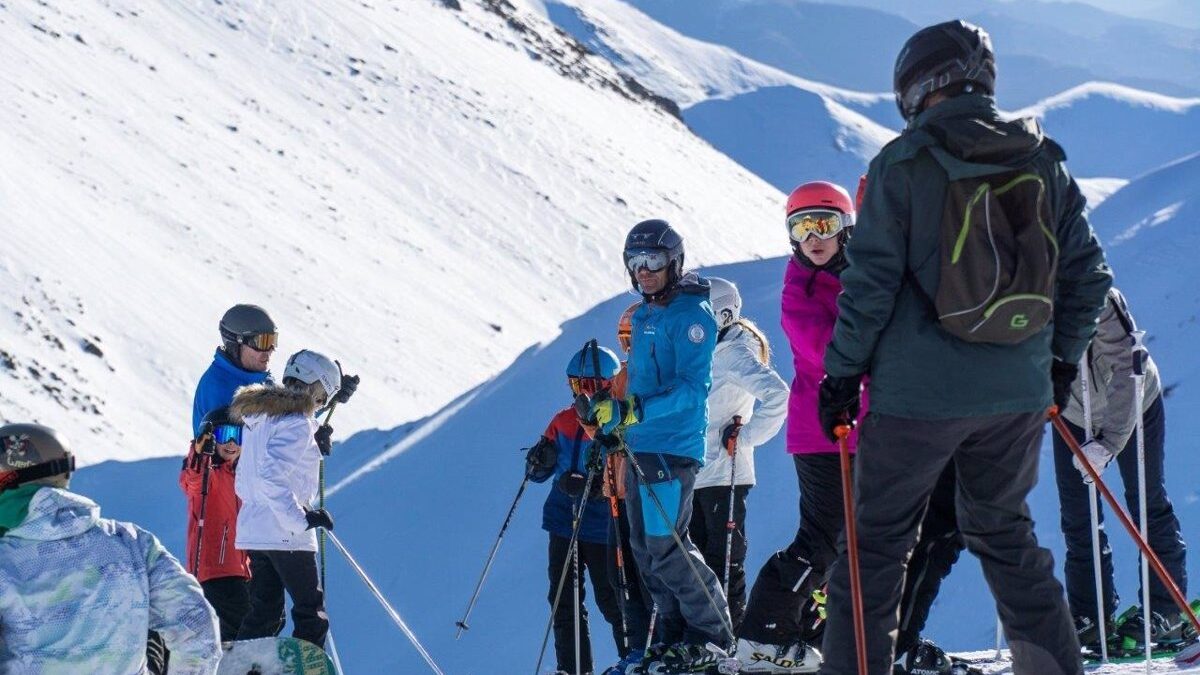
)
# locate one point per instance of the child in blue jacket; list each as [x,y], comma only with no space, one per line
[564,453]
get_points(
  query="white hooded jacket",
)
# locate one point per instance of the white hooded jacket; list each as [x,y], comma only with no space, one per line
[279,469]
[738,380]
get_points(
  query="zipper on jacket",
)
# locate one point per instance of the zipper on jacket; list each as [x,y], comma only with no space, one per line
[654,358]
[224,536]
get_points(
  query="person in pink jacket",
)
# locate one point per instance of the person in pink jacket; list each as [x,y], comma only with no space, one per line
[771,637]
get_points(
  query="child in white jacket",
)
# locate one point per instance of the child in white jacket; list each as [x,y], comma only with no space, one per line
[277,480]
[741,375]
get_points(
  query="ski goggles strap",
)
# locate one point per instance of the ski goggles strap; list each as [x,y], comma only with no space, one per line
[27,474]
[823,223]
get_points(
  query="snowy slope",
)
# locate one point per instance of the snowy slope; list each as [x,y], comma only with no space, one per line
[783,128]
[424,218]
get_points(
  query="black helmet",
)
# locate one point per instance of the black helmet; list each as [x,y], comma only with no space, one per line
[242,322]
[655,236]
[219,416]
[940,56]
[32,453]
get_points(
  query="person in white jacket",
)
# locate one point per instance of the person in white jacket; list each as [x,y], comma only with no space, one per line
[741,377]
[277,480]
[79,593]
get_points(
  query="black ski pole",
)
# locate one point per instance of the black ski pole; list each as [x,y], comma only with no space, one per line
[321,497]
[487,566]
[730,523]
[562,578]
[202,447]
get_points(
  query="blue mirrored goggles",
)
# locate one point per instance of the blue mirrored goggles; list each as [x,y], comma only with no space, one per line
[654,260]
[227,433]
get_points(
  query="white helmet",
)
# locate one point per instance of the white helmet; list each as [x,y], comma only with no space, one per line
[308,366]
[725,300]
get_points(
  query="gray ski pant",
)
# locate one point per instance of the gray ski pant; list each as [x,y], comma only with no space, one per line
[897,467]
[684,611]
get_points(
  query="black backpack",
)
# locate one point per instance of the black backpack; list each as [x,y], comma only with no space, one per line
[998,258]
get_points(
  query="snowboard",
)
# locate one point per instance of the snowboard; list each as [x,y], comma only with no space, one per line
[274,656]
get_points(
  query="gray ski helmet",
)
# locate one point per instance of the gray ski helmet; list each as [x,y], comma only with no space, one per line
[725,300]
[655,235]
[242,322]
[939,56]
[308,366]
[32,453]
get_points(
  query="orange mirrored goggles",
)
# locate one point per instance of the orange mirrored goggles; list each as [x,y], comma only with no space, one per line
[263,342]
[588,386]
[824,224]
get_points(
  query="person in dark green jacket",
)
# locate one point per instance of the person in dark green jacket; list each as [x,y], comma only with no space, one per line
[935,396]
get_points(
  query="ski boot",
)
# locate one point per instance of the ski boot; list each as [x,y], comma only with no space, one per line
[759,657]
[926,658]
[1088,634]
[1131,632]
[626,664]
[1180,631]
[692,658]
[641,665]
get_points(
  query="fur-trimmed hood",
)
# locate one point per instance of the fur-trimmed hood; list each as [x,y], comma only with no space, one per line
[270,400]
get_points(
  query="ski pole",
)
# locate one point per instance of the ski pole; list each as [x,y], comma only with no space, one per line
[576,581]
[321,498]
[999,638]
[1094,513]
[562,578]
[842,431]
[1139,399]
[206,459]
[614,510]
[1061,427]
[670,522]
[731,448]
[487,566]
[395,616]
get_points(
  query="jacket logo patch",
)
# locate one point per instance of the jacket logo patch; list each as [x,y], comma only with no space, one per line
[696,333]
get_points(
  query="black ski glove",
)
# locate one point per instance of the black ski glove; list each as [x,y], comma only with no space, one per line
[729,435]
[348,387]
[324,439]
[318,518]
[541,460]
[838,403]
[1062,375]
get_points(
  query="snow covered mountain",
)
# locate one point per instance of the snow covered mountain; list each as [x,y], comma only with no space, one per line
[1044,47]
[423,218]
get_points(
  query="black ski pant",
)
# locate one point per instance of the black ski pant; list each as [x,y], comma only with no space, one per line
[996,460]
[272,573]
[789,576]
[938,547]
[709,531]
[1162,525]
[594,562]
[633,598]
[230,599]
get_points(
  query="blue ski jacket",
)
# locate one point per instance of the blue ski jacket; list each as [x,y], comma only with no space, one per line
[670,371]
[217,385]
[574,450]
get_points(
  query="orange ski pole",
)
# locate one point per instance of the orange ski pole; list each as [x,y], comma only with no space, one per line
[1151,557]
[860,632]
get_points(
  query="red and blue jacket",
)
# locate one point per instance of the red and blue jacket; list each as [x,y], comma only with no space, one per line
[574,450]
